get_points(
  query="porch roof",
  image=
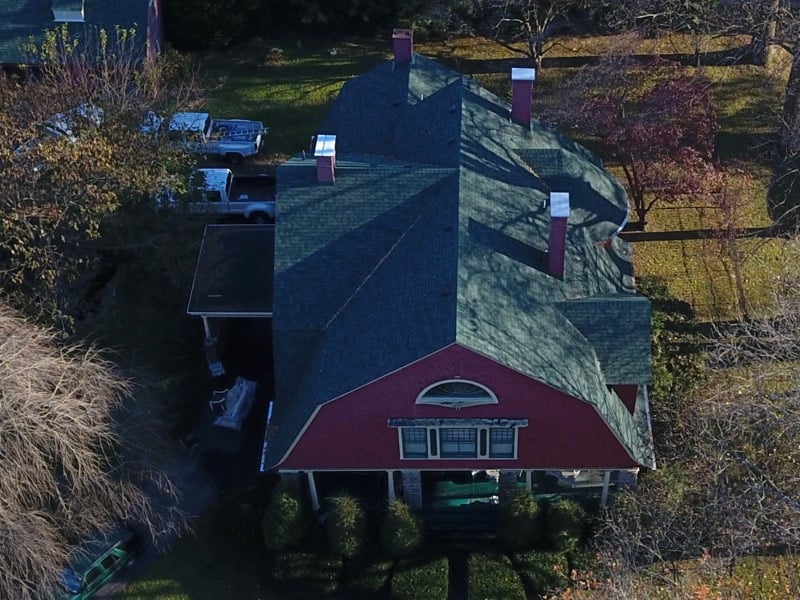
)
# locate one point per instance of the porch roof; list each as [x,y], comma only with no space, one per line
[233,277]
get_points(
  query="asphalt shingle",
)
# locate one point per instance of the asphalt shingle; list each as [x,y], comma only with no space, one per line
[436,231]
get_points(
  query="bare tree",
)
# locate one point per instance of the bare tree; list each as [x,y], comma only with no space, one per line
[68,466]
[531,22]
[733,488]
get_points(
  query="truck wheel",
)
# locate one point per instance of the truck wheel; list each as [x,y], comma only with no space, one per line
[234,158]
[259,217]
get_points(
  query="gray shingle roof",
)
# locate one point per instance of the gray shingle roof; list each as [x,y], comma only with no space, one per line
[435,233]
[21,20]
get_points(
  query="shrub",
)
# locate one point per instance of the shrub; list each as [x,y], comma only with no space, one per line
[401,531]
[519,524]
[426,581]
[346,526]
[287,519]
[565,524]
[492,577]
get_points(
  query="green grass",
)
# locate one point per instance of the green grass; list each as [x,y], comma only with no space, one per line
[288,88]
[417,579]
[542,571]
[224,558]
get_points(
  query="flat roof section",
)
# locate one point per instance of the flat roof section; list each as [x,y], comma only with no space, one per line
[233,277]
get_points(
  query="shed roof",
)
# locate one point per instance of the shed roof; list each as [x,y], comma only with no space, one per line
[233,277]
[436,233]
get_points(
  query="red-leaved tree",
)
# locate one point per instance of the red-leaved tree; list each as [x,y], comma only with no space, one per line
[653,120]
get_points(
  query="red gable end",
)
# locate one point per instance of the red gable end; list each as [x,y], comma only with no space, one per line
[353,431]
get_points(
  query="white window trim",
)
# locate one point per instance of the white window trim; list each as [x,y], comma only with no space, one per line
[438,456]
[68,16]
[456,401]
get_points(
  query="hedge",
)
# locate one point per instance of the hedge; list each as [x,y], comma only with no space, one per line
[519,525]
[493,577]
[401,530]
[287,519]
[565,524]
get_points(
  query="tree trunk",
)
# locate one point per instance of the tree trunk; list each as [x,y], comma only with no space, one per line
[761,45]
[790,122]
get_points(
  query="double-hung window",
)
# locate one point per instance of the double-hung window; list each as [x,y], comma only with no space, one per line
[458,438]
[502,442]
[458,442]
[415,444]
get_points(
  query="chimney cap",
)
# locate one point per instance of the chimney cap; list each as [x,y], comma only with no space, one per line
[399,33]
[325,145]
[559,204]
[519,74]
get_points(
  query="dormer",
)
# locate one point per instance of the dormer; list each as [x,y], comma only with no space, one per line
[68,11]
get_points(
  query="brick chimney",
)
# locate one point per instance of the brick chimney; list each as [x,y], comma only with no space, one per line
[557,244]
[521,93]
[325,153]
[403,43]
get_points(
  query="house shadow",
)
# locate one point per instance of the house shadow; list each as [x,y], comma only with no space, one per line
[507,245]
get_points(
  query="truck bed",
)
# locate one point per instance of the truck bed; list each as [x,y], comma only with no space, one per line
[257,187]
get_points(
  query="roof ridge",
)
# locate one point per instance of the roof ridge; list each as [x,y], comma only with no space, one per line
[371,273]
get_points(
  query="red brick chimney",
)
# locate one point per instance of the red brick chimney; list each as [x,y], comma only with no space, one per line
[521,93]
[557,244]
[403,43]
[325,153]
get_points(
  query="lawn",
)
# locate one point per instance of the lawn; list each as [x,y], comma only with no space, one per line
[289,88]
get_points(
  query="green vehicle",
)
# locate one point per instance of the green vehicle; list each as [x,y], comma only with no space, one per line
[103,559]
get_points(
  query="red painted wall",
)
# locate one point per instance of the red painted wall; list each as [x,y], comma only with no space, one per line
[627,394]
[352,432]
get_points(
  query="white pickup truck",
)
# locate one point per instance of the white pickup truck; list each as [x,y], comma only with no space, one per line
[233,139]
[220,192]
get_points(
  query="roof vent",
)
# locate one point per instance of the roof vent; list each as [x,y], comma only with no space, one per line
[403,44]
[521,93]
[325,153]
[557,243]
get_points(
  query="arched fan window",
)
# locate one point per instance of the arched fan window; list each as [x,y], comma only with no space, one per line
[456,393]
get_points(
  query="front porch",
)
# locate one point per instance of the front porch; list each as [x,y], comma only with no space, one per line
[445,490]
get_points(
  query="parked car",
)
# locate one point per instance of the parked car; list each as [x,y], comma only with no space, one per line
[220,192]
[98,562]
[65,125]
[200,133]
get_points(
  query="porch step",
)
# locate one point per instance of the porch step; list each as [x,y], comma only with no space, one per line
[460,523]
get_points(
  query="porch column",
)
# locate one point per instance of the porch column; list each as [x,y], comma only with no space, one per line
[207,328]
[312,490]
[606,482]
[507,483]
[392,493]
[529,481]
[412,488]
